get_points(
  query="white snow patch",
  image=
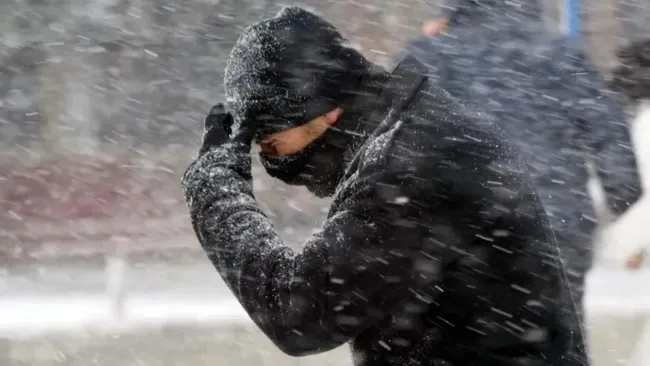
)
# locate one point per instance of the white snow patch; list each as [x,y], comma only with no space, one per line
[617,291]
[640,132]
[22,316]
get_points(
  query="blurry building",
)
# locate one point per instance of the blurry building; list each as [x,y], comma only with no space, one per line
[137,76]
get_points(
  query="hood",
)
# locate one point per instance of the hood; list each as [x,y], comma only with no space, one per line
[500,12]
[285,71]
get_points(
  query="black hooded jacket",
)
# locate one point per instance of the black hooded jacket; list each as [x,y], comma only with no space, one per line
[436,250]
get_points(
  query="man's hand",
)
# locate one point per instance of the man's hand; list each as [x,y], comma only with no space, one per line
[217,128]
[433,27]
[220,128]
[226,145]
[636,261]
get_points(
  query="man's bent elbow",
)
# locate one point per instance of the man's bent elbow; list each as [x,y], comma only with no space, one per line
[304,331]
[296,344]
[306,335]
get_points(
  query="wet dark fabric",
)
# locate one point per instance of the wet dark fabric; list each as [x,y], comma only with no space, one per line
[540,88]
[435,251]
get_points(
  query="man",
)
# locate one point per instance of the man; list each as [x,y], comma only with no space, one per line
[539,87]
[435,250]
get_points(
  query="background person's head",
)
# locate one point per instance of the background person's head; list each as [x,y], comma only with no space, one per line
[290,70]
[632,75]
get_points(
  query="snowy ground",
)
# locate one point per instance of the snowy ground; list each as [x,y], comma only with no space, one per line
[177,312]
[180,312]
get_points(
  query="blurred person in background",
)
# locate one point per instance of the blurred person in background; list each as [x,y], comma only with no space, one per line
[631,77]
[539,86]
[436,249]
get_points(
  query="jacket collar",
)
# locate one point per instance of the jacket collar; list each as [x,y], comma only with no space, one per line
[404,82]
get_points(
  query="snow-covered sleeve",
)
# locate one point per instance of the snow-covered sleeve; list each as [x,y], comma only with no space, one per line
[364,260]
[601,127]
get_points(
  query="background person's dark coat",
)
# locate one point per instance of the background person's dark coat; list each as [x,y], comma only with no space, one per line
[540,88]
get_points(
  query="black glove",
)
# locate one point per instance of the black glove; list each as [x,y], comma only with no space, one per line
[228,144]
[218,130]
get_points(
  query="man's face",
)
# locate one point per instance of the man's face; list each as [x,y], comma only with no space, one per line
[294,140]
[304,156]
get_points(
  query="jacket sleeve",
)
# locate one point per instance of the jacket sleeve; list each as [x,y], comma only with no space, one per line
[372,253]
[601,128]
[342,281]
